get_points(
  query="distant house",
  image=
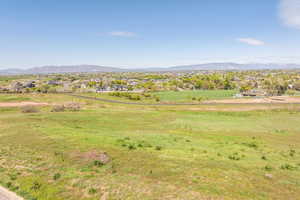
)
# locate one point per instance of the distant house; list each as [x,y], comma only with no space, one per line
[29,84]
[53,82]
[254,93]
[16,87]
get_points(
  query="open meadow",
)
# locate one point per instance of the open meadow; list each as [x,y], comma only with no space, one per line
[149,152]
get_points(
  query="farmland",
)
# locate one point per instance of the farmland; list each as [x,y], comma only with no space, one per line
[175,152]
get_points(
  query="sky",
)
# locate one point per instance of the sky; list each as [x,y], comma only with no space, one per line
[142,33]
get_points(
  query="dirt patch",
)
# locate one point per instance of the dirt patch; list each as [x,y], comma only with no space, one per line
[234,108]
[21,104]
[94,155]
[279,100]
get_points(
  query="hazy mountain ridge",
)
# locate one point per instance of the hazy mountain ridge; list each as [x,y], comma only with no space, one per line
[97,68]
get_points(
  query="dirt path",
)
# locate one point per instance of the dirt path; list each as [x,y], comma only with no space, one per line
[8,195]
[20,104]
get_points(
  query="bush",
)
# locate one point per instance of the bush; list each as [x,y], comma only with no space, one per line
[92,191]
[287,167]
[58,108]
[98,163]
[264,157]
[158,148]
[72,106]
[56,176]
[268,168]
[36,185]
[235,156]
[131,147]
[29,109]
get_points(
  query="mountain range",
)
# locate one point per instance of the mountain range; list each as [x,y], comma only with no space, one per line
[97,68]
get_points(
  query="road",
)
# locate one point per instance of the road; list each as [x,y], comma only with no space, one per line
[8,195]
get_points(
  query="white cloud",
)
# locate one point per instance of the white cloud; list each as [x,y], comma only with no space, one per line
[122,34]
[289,11]
[251,41]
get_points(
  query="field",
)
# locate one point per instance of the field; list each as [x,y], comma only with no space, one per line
[185,96]
[174,152]
[188,96]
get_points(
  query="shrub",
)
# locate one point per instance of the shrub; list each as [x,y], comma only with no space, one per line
[290,92]
[29,109]
[8,184]
[36,186]
[92,191]
[251,144]
[72,106]
[158,148]
[147,95]
[287,167]
[58,108]
[234,156]
[201,99]
[292,152]
[56,176]
[131,147]
[98,163]
[268,168]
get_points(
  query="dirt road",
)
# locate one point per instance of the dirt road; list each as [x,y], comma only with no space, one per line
[8,195]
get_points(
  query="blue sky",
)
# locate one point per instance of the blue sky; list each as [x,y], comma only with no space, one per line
[141,33]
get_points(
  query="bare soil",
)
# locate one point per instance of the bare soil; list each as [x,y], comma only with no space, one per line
[20,104]
[279,99]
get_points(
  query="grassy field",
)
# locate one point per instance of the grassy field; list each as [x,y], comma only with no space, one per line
[185,96]
[156,152]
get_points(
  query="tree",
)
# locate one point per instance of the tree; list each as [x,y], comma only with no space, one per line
[297,86]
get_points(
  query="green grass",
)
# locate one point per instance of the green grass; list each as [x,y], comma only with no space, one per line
[157,153]
[13,98]
[185,96]
[175,97]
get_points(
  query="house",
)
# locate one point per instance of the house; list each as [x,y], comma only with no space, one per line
[29,84]
[16,87]
[254,93]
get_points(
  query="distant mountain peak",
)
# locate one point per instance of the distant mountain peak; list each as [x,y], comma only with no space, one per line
[85,68]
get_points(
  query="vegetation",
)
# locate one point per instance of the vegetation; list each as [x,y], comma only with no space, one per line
[195,95]
[248,83]
[174,152]
[29,109]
